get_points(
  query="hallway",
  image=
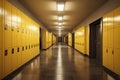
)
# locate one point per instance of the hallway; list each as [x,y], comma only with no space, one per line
[61,62]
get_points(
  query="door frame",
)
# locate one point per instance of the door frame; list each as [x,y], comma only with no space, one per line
[92,44]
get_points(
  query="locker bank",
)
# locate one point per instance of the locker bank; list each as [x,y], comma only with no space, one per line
[60,40]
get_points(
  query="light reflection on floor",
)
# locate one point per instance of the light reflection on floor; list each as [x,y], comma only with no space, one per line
[62,63]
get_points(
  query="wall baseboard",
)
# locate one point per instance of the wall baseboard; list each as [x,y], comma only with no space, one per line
[114,75]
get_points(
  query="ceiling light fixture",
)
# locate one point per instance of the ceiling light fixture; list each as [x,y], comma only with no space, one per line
[60,6]
[59,27]
[59,24]
[60,18]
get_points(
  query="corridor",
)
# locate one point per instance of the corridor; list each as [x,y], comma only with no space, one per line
[61,62]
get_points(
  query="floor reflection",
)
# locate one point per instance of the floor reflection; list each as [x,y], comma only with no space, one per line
[61,62]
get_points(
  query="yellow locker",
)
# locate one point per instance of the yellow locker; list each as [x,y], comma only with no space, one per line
[117,28]
[117,41]
[7,39]
[105,56]
[1,64]
[14,27]
[23,55]
[111,48]
[110,58]
[19,56]
[116,60]
[14,58]
[7,61]
[7,26]
[19,42]
[1,36]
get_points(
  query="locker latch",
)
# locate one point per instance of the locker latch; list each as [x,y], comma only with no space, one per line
[12,28]
[18,50]
[26,47]
[6,27]
[22,48]
[13,51]
[29,46]
[17,29]
[107,50]
[6,52]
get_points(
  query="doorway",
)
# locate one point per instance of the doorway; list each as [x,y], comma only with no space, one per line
[96,40]
[40,39]
[73,41]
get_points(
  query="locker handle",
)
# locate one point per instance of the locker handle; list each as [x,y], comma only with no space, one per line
[18,50]
[107,50]
[22,48]
[13,51]
[26,47]
[112,51]
[17,29]
[29,46]
[6,27]
[6,52]
[12,28]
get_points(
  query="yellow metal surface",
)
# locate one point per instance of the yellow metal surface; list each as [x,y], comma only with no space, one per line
[111,40]
[7,61]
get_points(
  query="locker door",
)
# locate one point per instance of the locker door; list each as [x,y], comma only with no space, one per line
[117,28]
[105,42]
[1,64]
[14,39]
[7,61]
[19,56]
[7,26]
[116,60]
[7,39]
[14,27]
[1,36]
[110,30]
[14,58]
[1,43]
[19,35]
[117,41]
[110,58]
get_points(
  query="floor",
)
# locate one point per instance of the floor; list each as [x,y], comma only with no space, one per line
[61,62]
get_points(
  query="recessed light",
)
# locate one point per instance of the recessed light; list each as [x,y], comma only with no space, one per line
[60,6]
[60,17]
[60,24]
[60,27]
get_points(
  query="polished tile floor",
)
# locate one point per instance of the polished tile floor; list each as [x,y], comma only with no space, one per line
[61,62]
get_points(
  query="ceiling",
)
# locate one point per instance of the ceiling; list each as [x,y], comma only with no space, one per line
[75,11]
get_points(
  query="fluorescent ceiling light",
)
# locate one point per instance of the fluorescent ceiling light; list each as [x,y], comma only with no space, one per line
[60,6]
[60,27]
[60,17]
[59,23]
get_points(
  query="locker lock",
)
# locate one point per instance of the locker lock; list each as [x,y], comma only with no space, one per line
[29,46]
[12,28]
[22,48]
[18,50]
[26,47]
[112,52]
[6,27]
[6,52]
[17,29]
[13,51]
[107,50]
